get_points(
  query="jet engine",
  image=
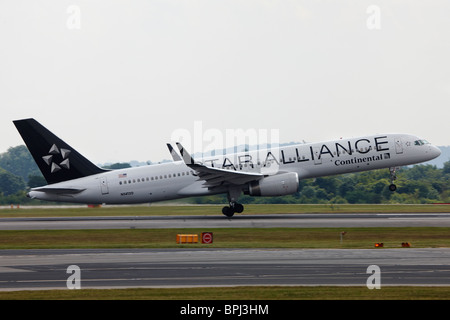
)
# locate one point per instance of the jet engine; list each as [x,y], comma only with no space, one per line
[276,185]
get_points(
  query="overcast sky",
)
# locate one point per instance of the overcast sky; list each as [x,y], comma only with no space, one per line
[116,79]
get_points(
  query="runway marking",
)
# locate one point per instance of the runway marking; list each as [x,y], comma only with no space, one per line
[12,269]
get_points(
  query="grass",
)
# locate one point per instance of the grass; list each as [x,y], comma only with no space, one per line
[216,210]
[355,238]
[238,293]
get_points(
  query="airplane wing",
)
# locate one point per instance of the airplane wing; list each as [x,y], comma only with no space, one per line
[215,177]
[173,153]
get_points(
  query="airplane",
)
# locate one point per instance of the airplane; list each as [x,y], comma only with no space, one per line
[269,172]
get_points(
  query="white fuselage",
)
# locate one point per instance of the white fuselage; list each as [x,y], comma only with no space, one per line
[176,180]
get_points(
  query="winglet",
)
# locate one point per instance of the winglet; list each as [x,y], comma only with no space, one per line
[188,160]
[173,153]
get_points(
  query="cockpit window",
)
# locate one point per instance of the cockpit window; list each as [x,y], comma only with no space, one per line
[420,142]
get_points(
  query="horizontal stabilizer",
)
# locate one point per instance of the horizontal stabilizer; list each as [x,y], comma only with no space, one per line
[59,190]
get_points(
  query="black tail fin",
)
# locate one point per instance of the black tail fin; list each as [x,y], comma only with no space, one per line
[56,159]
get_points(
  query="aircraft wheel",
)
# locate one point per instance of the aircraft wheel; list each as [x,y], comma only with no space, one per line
[392,187]
[228,211]
[238,207]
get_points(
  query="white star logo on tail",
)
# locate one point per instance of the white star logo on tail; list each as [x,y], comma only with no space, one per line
[48,159]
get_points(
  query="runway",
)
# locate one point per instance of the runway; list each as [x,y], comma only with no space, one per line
[118,268]
[338,220]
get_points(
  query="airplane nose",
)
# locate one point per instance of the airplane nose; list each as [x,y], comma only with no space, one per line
[435,152]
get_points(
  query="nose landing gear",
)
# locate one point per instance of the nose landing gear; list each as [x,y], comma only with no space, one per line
[393,174]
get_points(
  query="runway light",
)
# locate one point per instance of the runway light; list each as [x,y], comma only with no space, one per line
[406,245]
[379,245]
[187,238]
[343,233]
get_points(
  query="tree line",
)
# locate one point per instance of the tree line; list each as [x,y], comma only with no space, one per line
[415,184]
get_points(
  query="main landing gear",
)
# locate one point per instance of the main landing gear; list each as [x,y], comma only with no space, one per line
[392,171]
[234,207]
[233,195]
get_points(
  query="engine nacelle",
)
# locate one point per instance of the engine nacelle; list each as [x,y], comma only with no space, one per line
[277,185]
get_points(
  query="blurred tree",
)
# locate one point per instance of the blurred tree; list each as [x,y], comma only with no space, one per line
[118,165]
[10,183]
[19,162]
[36,181]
